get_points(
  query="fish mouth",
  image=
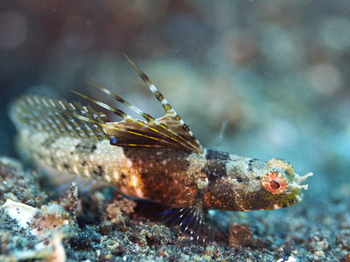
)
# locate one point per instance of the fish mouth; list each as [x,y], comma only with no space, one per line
[299,179]
[282,203]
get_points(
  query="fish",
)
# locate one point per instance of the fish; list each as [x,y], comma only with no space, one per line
[154,159]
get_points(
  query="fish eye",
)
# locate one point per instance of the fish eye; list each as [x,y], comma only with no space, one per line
[274,184]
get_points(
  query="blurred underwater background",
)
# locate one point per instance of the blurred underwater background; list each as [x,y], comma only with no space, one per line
[274,71]
[261,79]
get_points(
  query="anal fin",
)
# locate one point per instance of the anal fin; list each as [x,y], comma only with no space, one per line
[192,221]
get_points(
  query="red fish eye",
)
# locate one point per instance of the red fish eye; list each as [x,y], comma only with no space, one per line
[274,184]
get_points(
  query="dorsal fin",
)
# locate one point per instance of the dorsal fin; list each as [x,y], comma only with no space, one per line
[57,117]
[167,131]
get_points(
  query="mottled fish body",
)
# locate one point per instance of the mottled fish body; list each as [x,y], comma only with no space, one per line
[155,159]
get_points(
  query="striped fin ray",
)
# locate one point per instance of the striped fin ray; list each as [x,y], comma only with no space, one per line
[171,122]
[104,105]
[57,118]
[167,131]
[131,131]
[121,100]
[135,132]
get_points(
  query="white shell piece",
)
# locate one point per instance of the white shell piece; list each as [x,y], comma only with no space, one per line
[21,212]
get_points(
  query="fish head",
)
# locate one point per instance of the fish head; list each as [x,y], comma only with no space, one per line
[261,186]
[279,186]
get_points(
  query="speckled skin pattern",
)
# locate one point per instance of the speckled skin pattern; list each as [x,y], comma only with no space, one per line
[176,178]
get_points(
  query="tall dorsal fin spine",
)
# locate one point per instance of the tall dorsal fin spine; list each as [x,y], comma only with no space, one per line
[121,100]
[101,104]
[167,107]
[167,131]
